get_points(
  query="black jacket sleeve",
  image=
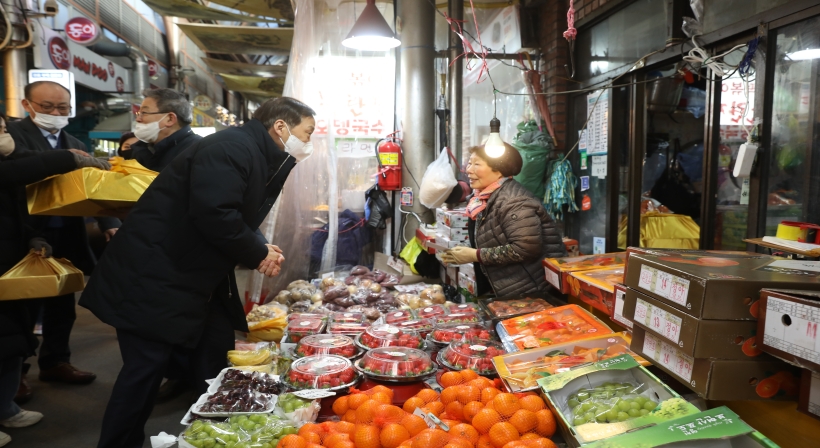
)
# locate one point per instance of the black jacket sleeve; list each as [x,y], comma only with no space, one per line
[219,174]
[34,167]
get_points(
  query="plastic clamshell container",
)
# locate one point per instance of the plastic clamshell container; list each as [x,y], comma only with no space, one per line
[553,326]
[473,354]
[445,333]
[501,309]
[321,372]
[397,317]
[326,344]
[458,318]
[422,326]
[431,311]
[465,308]
[304,316]
[298,329]
[521,370]
[390,336]
[347,318]
[349,329]
[396,362]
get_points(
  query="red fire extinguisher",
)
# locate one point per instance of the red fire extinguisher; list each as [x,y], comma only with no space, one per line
[389,155]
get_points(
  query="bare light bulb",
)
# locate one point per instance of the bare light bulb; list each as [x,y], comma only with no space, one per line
[494,147]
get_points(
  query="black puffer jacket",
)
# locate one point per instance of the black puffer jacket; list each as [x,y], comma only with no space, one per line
[16,338]
[513,234]
[156,156]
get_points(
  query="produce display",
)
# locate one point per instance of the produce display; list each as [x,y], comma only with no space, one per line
[348,317]
[347,329]
[234,401]
[396,317]
[396,363]
[425,298]
[507,308]
[305,316]
[445,333]
[233,379]
[431,311]
[421,326]
[290,403]
[458,318]
[473,354]
[389,336]
[252,431]
[250,357]
[325,344]
[609,403]
[265,312]
[298,296]
[553,326]
[298,329]
[321,372]
[465,308]
[362,287]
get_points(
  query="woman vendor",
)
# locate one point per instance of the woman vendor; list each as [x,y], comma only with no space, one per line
[510,231]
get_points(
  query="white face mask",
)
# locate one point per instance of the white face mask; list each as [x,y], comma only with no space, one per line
[6,144]
[297,148]
[50,122]
[148,132]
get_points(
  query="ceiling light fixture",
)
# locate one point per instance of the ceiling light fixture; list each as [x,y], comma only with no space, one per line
[371,32]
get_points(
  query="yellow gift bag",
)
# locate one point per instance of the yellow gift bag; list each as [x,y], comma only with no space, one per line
[36,276]
[90,191]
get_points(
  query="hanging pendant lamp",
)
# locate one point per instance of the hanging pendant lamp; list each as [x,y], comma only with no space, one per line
[371,32]
[494,146]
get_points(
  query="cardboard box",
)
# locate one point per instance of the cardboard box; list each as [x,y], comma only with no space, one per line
[809,402]
[557,389]
[452,233]
[787,327]
[557,270]
[467,283]
[396,266]
[617,315]
[519,371]
[719,427]
[468,270]
[715,287]
[719,379]
[690,253]
[553,326]
[723,339]
[456,218]
[440,215]
[597,287]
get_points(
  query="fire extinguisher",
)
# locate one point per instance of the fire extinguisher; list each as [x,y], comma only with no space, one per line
[389,156]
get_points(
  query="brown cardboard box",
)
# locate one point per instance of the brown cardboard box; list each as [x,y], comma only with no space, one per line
[788,324]
[690,253]
[809,402]
[617,314]
[557,270]
[716,287]
[720,379]
[722,339]
[597,287]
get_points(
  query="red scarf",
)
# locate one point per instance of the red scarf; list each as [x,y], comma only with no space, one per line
[479,200]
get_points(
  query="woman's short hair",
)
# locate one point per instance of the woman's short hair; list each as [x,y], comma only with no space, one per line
[125,136]
[508,164]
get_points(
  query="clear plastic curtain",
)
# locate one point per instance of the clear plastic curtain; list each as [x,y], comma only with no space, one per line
[352,95]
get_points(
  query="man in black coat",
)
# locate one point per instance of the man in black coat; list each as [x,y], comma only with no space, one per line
[173,260]
[48,105]
[163,127]
[17,169]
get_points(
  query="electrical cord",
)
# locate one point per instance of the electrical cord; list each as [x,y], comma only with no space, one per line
[699,57]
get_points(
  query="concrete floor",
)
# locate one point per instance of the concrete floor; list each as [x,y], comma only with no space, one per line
[73,414]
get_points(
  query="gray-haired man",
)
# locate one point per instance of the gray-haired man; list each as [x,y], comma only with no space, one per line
[163,127]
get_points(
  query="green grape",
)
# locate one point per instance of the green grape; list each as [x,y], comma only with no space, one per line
[202,435]
[624,405]
[573,403]
[634,413]
[586,406]
[635,405]
[611,414]
[622,416]
[578,421]
[577,410]
[650,405]
[210,442]
[643,412]
[601,418]
[589,416]
[640,399]
[583,396]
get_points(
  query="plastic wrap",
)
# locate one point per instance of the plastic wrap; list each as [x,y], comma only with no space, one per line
[608,403]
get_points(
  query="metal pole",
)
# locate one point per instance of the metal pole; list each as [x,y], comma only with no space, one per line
[16,76]
[455,75]
[417,98]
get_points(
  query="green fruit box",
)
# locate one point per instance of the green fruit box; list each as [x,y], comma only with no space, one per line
[715,428]
[609,398]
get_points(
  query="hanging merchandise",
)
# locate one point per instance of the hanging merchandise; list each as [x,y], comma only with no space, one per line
[390,162]
[438,181]
[377,208]
[534,146]
[561,189]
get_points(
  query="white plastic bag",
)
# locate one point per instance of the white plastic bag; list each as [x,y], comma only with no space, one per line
[438,181]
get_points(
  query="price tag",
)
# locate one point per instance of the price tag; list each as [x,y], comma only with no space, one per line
[599,166]
[650,346]
[679,292]
[683,366]
[669,357]
[552,278]
[313,394]
[642,311]
[618,315]
[663,284]
[671,328]
[647,278]
[657,320]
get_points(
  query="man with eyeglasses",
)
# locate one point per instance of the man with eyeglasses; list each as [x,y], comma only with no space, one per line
[48,105]
[163,127]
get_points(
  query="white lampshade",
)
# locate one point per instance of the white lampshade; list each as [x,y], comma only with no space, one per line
[371,32]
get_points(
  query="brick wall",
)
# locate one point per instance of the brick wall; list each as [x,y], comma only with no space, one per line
[553,21]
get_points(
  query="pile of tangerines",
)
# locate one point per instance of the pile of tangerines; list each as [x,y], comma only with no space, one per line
[476,412]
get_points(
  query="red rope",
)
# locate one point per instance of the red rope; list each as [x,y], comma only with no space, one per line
[468,47]
[571,32]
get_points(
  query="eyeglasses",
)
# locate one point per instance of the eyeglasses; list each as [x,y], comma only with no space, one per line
[49,108]
[139,114]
